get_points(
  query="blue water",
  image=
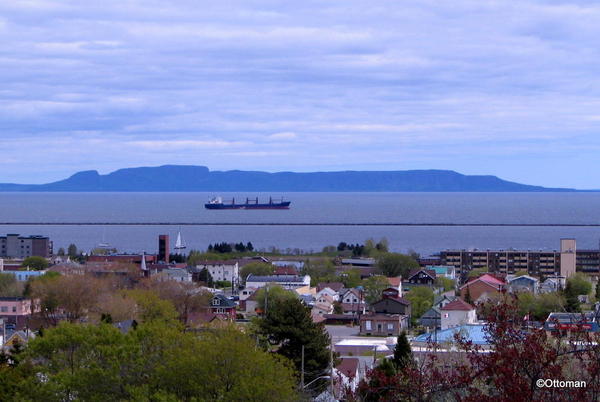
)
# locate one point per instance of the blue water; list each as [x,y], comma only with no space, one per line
[547,208]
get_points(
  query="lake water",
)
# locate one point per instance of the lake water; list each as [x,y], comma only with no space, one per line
[376,208]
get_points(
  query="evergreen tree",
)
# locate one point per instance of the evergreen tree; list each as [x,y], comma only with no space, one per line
[288,324]
[249,246]
[61,252]
[598,291]
[206,277]
[572,302]
[72,250]
[403,356]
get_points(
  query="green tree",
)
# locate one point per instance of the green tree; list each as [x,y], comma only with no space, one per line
[272,294]
[403,356]
[445,283]
[72,251]
[61,252]
[580,284]
[476,272]
[373,287]
[421,300]
[394,264]
[521,272]
[256,268]
[598,291]
[9,286]
[206,277]
[572,302]
[468,297]
[288,326]
[321,270]
[35,262]
[350,278]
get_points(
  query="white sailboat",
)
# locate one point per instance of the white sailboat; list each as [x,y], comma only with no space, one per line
[104,245]
[179,246]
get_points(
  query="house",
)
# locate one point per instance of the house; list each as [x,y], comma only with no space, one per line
[396,283]
[222,306]
[352,302]
[422,277]
[8,339]
[457,313]
[221,270]
[328,291]
[175,274]
[251,305]
[245,295]
[523,283]
[335,286]
[443,299]
[23,276]
[285,270]
[431,318]
[577,322]
[383,324]
[347,375]
[482,288]
[288,282]
[447,271]
[17,310]
[391,303]
[552,284]
[323,305]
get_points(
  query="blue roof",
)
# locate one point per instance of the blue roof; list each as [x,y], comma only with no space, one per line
[473,332]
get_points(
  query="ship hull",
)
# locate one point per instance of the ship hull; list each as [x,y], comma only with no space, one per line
[279,205]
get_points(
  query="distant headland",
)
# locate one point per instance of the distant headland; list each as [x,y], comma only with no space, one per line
[176,178]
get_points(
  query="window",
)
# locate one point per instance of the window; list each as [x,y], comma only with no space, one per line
[390,326]
[14,309]
[4,309]
[368,325]
[216,302]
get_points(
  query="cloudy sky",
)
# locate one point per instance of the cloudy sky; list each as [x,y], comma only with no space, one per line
[509,88]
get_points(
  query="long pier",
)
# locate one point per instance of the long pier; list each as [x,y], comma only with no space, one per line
[423,224]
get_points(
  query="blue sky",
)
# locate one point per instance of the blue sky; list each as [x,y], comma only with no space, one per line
[481,87]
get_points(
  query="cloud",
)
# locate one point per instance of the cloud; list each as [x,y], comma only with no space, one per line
[301,86]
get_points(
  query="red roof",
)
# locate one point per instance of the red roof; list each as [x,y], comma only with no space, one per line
[395,282]
[486,278]
[458,304]
[348,366]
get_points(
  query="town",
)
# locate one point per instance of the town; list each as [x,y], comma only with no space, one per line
[354,322]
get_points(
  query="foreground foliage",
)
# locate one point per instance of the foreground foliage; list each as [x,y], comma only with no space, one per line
[154,362]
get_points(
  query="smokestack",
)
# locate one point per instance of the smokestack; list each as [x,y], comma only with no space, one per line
[163,248]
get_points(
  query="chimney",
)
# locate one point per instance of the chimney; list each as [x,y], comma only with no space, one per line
[163,248]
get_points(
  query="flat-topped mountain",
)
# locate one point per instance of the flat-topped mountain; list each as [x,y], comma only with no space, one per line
[173,178]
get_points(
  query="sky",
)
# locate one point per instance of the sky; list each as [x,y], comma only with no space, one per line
[481,87]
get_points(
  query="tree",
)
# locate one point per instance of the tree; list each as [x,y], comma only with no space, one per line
[9,286]
[393,264]
[580,284]
[598,291]
[476,272]
[35,262]
[288,326]
[249,246]
[72,251]
[521,272]
[272,294]
[321,270]
[421,300]
[572,301]
[206,277]
[351,278]
[153,362]
[445,283]
[403,356]
[61,252]
[374,287]
[256,268]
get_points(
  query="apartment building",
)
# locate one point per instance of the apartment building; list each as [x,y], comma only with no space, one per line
[16,246]
[563,262]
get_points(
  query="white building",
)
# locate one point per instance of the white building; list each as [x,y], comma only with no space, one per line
[457,313]
[175,274]
[289,282]
[222,270]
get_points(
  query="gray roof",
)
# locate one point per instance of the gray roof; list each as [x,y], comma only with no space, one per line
[275,278]
[224,301]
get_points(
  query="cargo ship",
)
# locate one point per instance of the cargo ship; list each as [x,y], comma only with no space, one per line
[218,203]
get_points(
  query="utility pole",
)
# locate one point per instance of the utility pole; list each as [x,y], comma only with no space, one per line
[302,371]
[331,364]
